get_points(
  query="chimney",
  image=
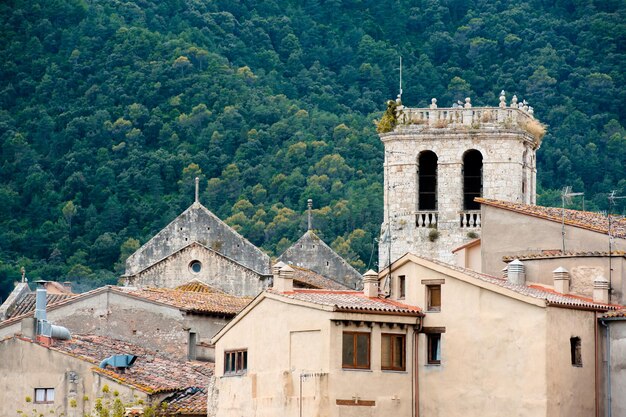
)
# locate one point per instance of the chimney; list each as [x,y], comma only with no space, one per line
[283,282]
[505,272]
[45,331]
[601,290]
[370,284]
[561,280]
[516,272]
[41,301]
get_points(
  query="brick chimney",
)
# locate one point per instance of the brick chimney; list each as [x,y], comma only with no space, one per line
[370,284]
[601,290]
[561,280]
[283,282]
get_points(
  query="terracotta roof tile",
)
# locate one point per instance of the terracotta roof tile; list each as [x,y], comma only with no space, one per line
[621,313]
[312,279]
[350,301]
[191,401]
[535,291]
[191,301]
[197,286]
[558,254]
[151,372]
[27,304]
[583,219]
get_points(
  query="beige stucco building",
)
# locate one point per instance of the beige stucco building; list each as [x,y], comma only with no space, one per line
[297,352]
[504,348]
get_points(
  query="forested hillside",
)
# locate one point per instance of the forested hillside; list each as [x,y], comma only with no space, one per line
[109,109]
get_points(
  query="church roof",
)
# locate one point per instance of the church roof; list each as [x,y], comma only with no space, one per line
[584,219]
[312,279]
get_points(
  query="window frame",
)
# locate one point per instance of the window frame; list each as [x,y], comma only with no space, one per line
[391,337]
[354,364]
[429,306]
[430,359]
[576,351]
[401,287]
[46,396]
[239,361]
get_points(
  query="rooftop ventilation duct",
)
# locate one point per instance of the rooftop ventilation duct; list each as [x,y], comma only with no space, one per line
[44,327]
[516,272]
[119,361]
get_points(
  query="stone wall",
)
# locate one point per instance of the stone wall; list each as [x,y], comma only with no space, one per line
[509,172]
[312,253]
[198,224]
[215,270]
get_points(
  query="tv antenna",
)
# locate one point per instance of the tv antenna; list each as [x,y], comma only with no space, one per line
[566,198]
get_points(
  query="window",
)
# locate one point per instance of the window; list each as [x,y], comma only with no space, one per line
[576,351]
[401,286]
[356,350]
[472,179]
[434,297]
[434,348]
[44,395]
[193,337]
[393,352]
[235,362]
[195,266]
[427,181]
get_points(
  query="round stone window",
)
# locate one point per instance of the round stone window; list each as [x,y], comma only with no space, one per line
[195,267]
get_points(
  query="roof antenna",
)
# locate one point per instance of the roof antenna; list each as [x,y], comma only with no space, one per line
[612,198]
[566,197]
[197,189]
[400,94]
[309,204]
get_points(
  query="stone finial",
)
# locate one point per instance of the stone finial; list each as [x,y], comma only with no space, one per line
[23,271]
[197,190]
[524,105]
[601,290]
[309,204]
[561,280]
[514,101]
[531,111]
[370,284]
[399,100]
[468,103]
[502,99]
[433,103]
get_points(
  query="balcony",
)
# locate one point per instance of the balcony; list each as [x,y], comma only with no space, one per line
[469,218]
[426,219]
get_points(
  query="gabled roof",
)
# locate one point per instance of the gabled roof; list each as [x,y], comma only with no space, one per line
[346,301]
[584,219]
[533,294]
[27,304]
[190,301]
[312,279]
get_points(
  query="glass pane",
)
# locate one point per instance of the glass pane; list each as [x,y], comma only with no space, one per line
[363,350]
[398,350]
[40,395]
[245,360]
[228,366]
[348,349]
[386,351]
[50,394]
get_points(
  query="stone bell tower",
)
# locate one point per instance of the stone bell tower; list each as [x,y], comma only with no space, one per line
[438,160]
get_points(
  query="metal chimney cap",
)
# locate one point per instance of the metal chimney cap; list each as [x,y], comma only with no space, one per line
[516,262]
[560,269]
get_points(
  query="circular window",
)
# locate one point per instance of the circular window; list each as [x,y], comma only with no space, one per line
[195,267]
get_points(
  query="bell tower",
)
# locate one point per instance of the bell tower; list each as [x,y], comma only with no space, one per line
[438,160]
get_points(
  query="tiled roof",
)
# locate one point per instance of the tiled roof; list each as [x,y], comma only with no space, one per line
[621,313]
[312,279]
[150,373]
[197,286]
[583,219]
[27,305]
[353,301]
[558,254]
[191,301]
[536,291]
[191,401]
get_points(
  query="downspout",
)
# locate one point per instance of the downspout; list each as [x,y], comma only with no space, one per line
[415,379]
[608,367]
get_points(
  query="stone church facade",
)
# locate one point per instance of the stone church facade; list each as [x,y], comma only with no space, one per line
[438,160]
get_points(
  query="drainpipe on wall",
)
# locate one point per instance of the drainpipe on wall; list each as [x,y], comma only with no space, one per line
[415,380]
[607,340]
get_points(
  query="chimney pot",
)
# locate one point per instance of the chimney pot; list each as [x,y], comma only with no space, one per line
[283,281]
[370,284]
[561,280]
[516,273]
[601,290]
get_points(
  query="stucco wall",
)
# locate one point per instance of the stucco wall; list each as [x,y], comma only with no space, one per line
[153,326]
[217,271]
[506,233]
[617,366]
[504,170]
[571,389]
[39,367]
[312,253]
[302,339]
[198,224]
